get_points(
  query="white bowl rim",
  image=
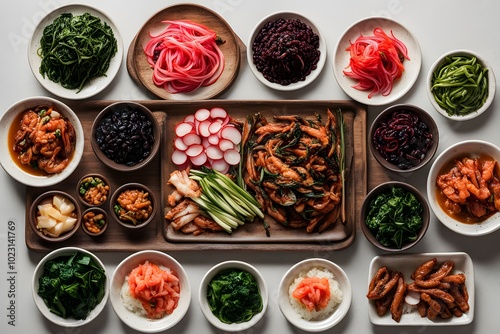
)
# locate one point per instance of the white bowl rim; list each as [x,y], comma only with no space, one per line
[40,303]
[340,311]
[235,264]
[472,230]
[491,85]
[322,47]
[5,155]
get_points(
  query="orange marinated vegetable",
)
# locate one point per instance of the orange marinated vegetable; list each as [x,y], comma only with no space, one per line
[157,289]
[313,293]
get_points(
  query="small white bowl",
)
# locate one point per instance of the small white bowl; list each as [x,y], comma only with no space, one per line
[202,296]
[340,310]
[473,148]
[52,317]
[137,322]
[491,85]
[322,48]
[6,158]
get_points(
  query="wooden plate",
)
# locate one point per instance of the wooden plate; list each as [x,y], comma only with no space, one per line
[141,72]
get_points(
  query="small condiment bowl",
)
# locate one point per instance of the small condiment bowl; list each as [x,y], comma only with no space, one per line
[385,187]
[339,311]
[132,186]
[86,178]
[94,211]
[309,78]
[442,164]
[107,111]
[491,84]
[9,159]
[136,321]
[47,196]
[52,317]
[423,118]
[203,302]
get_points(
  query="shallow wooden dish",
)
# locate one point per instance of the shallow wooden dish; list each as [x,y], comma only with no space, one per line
[141,72]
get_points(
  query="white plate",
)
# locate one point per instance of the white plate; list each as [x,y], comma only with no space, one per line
[365,27]
[407,264]
[93,87]
[322,49]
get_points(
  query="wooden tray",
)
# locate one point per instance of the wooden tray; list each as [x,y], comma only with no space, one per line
[159,236]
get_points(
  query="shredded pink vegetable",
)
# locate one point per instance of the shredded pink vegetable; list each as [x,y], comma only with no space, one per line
[376,61]
[184,57]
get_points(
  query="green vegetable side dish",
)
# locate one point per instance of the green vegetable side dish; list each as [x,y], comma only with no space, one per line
[394,217]
[72,286]
[88,183]
[233,296]
[460,85]
[76,49]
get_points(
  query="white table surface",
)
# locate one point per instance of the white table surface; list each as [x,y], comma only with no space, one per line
[440,26]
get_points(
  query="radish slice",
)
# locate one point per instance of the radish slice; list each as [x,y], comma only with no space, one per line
[179,157]
[205,142]
[191,139]
[179,144]
[194,150]
[199,160]
[214,139]
[215,126]
[412,298]
[226,121]
[214,152]
[203,128]
[232,157]
[231,133]
[184,128]
[218,112]
[202,114]
[189,119]
[220,165]
[225,144]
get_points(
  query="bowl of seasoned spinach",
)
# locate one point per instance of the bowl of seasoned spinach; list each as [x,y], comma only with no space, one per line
[394,216]
[70,286]
[233,296]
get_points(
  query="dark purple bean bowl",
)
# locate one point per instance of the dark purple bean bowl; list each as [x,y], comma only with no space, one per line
[125,136]
[403,138]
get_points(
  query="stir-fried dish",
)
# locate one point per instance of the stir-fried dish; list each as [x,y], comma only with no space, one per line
[44,140]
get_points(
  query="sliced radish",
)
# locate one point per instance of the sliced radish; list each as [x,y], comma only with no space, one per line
[203,128]
[179,157]
[412,298]
[205,142]
[232,157]
[179,144]
[215,126]
[194,150]
[218,112]
[231,133]
[184,128]
[214,152]
[189,119]
[225,144]
[214,139]
[202,114]
[191,139]
[199,160]
[220,165]
[226,121]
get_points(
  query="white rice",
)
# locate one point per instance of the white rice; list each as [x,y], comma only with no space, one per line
[132,304]
[335,294]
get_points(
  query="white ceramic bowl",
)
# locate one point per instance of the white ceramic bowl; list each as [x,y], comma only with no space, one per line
[96,85]
[137,322]
[472,148]
[202,296]
[365,27]
[322,48]
[340,310]
[52,317]
[6,159]
[491,85]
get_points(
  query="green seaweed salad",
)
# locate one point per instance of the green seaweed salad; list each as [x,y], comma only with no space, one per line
[233,296]
[72,285]
[394,217]
[76,49]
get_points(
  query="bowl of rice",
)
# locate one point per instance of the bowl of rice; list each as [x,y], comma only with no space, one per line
[328,281]
[134,303]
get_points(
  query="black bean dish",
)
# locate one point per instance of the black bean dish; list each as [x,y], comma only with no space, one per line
[286,51]
[126,135]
